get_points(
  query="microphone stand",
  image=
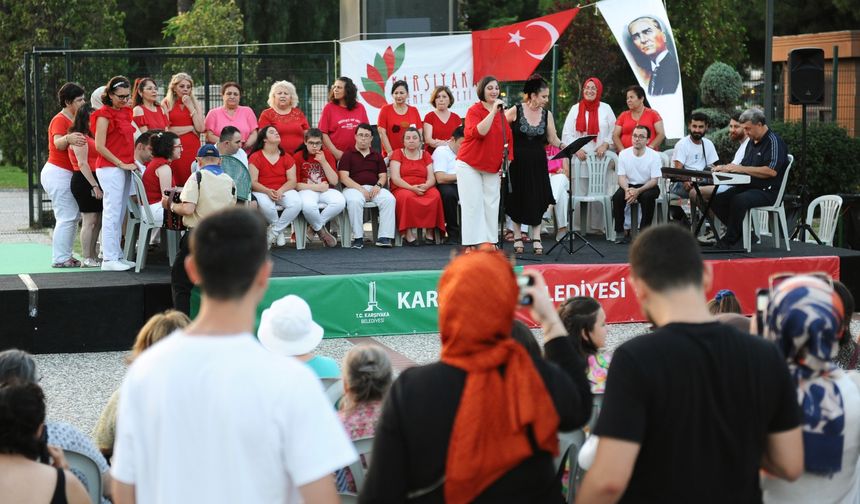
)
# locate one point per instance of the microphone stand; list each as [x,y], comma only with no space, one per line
[506,181]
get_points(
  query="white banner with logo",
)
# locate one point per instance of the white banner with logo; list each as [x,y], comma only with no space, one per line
[642,29]
[423,62]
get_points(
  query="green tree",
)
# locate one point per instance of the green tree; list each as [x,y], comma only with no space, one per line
[45,23]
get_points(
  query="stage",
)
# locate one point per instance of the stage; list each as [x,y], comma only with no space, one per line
[365,292]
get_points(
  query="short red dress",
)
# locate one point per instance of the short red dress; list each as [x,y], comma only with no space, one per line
[412,210]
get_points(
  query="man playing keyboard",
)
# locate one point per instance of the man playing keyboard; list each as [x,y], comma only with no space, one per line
[765,161]
[694,152]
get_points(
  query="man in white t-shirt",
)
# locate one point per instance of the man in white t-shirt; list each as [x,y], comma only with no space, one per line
[694,152]
[444,158]
[209,415]
[737,134]
[639,169]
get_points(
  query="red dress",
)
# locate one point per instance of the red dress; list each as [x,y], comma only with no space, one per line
[441,130]
[152,120]
[291,126]
[412,210]
[395,124]
[625,120]
[180,116]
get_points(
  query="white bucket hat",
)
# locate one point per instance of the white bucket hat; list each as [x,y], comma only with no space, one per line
[288,328]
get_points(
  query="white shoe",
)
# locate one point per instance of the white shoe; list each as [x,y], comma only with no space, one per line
[130,263]
[115,266]
[281,240]
[271,237]
[91,263]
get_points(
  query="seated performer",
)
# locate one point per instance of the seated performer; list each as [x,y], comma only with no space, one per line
[765,161]
[444,160]
[638,173]
[694,152]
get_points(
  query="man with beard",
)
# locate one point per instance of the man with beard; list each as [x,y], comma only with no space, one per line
[692,411]
[694,152]
[649,39]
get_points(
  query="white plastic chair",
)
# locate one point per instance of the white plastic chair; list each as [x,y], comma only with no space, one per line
[776,211]
[300,226]
[145,222]
[364,447]
[596,191]
[830,205]
[82,465]
[346,228]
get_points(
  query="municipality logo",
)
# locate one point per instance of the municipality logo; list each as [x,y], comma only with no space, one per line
[384,66]
[373,314]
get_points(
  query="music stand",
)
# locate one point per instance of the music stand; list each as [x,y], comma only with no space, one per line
[568,152]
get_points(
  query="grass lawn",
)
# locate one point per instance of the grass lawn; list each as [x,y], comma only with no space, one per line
[12,177]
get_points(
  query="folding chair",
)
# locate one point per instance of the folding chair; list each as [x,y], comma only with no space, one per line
[776,211]
[86,470]
[142,218]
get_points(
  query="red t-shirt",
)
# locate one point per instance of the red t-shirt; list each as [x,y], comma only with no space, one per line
[339,124]
[60,125]
[271,175]
[441,130]
[152,120]
[92,155]
[484,153]
[120,134]
[151,184]
[291,126]
[310,171]
[627,123]
[395,124]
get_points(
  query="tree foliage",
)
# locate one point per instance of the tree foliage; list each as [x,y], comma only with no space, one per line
[721,86]
[45,23]
[291,20]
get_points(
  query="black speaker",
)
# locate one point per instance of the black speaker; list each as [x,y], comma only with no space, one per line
[806,76]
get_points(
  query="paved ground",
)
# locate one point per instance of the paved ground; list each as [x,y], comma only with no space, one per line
[15,219]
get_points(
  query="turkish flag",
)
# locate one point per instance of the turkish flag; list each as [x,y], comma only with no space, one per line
[512,52]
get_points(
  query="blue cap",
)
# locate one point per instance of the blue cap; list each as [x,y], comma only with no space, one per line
[208,150]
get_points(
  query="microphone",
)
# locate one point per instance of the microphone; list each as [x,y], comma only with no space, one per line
[502,106]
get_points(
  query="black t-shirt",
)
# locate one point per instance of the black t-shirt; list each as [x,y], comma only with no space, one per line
[769,151]
[700,399]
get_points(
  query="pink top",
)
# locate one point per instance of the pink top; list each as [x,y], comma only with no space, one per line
[553,165]
[339,124]
[243,118]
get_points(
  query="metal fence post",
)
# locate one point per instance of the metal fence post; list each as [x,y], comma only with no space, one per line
[554,78]
[68,59]
[238,63]
[37,112]
[835,77]
[206,82]
[28,106]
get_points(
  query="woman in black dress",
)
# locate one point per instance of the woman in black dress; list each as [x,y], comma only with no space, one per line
[531,194]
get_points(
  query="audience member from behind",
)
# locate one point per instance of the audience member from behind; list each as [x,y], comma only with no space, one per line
[804,319]
[585,322]
[208,415]
[367,377]
[22,479]
[288,328]
[725,301]
[19,365]
[461,431]
[524,336]
[693,410]
[156,328]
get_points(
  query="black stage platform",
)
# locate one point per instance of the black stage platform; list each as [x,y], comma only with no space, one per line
[84,312]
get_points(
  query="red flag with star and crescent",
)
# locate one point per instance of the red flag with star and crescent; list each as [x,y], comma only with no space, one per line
[512,52]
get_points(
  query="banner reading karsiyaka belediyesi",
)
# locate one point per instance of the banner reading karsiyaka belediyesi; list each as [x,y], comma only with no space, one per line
[642,29]
[423,62]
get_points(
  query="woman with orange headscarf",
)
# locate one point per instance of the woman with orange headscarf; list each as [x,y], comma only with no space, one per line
[481,425]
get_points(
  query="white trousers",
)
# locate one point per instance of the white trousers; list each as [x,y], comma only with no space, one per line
[55,181]
[157,213]
[332,199]
[479,204]
[291,202]
[115,183]
[355,211]
[560,185]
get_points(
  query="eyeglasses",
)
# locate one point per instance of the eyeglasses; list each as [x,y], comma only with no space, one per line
[314,144]
[124,97]
[640,136]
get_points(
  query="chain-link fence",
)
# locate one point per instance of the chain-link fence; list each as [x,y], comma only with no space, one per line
[310,66]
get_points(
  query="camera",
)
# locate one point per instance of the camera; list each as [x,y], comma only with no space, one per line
[524,281]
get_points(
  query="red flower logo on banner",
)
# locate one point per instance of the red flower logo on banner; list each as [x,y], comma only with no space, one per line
[384,66]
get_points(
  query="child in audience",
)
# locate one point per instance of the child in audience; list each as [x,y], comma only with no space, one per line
[367,377]
[724,302]
[585,321]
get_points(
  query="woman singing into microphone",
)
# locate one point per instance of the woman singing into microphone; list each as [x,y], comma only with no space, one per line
[479,160]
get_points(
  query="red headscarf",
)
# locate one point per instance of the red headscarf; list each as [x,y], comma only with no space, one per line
[590,107]
[477,297]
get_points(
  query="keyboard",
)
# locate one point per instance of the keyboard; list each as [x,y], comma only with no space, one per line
[716,178]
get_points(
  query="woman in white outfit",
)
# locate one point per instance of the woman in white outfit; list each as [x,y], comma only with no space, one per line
[115,144]
[56,175]
[273,183]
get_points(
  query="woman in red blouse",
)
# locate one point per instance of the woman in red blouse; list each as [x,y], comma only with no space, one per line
[479,160]
[284,114]
[148,113]
[341,116]
[395,117]
[56,175]
[158,177]
[418,203]
[637,115]
[115,143]
[85,187]
[273,183]
[440,123]
[185,118]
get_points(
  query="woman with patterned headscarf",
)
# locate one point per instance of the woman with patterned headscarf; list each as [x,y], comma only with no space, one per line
[804,319]
[481,425]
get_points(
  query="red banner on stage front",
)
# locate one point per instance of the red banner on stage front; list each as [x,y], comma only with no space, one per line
[609,283]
